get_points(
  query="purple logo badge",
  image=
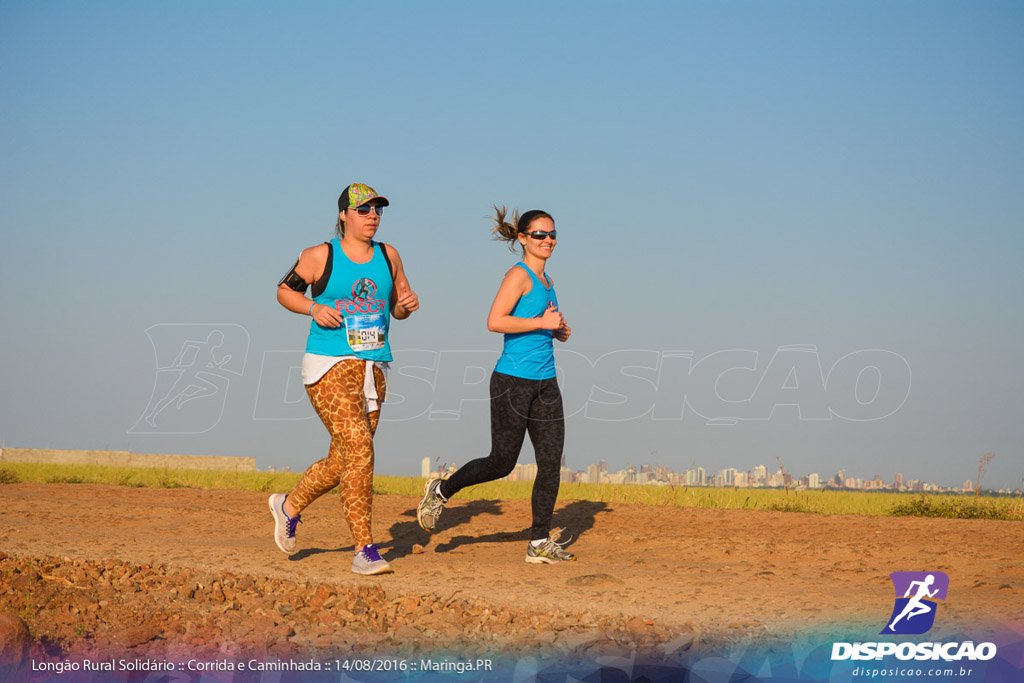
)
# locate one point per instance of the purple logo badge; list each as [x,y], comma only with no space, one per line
[916,595]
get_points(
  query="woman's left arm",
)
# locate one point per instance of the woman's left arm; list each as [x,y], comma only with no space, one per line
[406,300]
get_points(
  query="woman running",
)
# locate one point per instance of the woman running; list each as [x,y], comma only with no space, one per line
[358,285]
[524,392]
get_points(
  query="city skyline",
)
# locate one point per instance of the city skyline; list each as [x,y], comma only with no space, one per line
[757,477]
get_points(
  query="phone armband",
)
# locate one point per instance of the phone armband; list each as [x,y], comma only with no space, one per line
[294,281]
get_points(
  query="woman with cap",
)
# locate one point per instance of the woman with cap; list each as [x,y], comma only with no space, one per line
[524,392]
[358,285]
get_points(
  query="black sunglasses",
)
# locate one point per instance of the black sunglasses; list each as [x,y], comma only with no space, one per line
[365,209]
[541,234]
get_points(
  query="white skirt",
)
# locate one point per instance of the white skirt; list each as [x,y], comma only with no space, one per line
[315,366]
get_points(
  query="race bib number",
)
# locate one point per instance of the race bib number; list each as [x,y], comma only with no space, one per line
[365,332]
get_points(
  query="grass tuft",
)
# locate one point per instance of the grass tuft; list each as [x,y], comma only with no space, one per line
[128,480]
[266,485]
[8,477]
[958,507]
[793,504]
[65,479]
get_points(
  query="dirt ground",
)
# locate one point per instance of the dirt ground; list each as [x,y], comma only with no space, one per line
[654,577]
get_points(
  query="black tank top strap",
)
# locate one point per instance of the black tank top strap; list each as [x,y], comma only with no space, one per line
[387,259]
[320,285]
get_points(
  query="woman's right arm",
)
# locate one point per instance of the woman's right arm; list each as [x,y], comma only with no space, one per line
[500,319]
[310,268]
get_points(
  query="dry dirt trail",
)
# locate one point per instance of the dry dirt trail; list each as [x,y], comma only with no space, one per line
[727,575]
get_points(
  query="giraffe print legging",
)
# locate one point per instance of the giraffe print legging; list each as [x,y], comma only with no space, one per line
[339,400]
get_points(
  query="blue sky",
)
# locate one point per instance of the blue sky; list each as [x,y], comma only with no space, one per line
[728,180]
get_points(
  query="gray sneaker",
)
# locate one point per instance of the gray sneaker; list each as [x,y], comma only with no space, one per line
[368,561]
[430,507]
[550,551]
[284,526]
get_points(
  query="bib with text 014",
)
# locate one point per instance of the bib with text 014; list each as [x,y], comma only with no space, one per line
[365,332]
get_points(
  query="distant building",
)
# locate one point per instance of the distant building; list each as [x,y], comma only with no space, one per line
[614,478]
[527,472]
[728,476]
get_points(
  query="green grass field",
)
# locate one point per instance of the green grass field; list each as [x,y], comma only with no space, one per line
[827,502]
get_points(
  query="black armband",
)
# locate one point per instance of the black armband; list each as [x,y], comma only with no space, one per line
[294,281]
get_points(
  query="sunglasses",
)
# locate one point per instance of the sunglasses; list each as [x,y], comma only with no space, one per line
[541,234]
[365,209]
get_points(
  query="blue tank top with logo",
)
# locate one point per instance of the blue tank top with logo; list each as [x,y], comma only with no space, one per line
[530,355]
[361,292]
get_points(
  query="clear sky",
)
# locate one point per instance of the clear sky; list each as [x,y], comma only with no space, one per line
[789,231]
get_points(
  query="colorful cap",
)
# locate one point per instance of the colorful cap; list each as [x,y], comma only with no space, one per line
[358,194]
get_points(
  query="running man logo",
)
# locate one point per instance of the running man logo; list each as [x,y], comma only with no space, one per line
[194,366]
[916,595]
[363,300]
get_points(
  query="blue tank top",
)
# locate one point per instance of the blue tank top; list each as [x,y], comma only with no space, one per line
[530,355]
[361,292]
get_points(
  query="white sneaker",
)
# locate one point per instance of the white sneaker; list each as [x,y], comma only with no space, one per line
[284,526]
[429,509]
[550,551]
[368,561]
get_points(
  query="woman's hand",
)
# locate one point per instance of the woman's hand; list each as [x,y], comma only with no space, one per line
[407,300]
[325,316]
[552,319]
[563,332]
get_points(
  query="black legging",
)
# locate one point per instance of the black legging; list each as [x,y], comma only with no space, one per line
[519,405]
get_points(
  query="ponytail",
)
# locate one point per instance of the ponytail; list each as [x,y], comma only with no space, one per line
[505,230]
[508,230]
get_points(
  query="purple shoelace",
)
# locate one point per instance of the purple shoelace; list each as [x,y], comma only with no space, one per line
[370,552]
[292,521]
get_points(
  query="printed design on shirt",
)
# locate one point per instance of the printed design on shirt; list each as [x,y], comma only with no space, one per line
[362,302]
[541,314]
[364,316]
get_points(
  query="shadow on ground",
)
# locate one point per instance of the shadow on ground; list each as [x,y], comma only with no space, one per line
[576,518]
[349,549]
[405,534]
